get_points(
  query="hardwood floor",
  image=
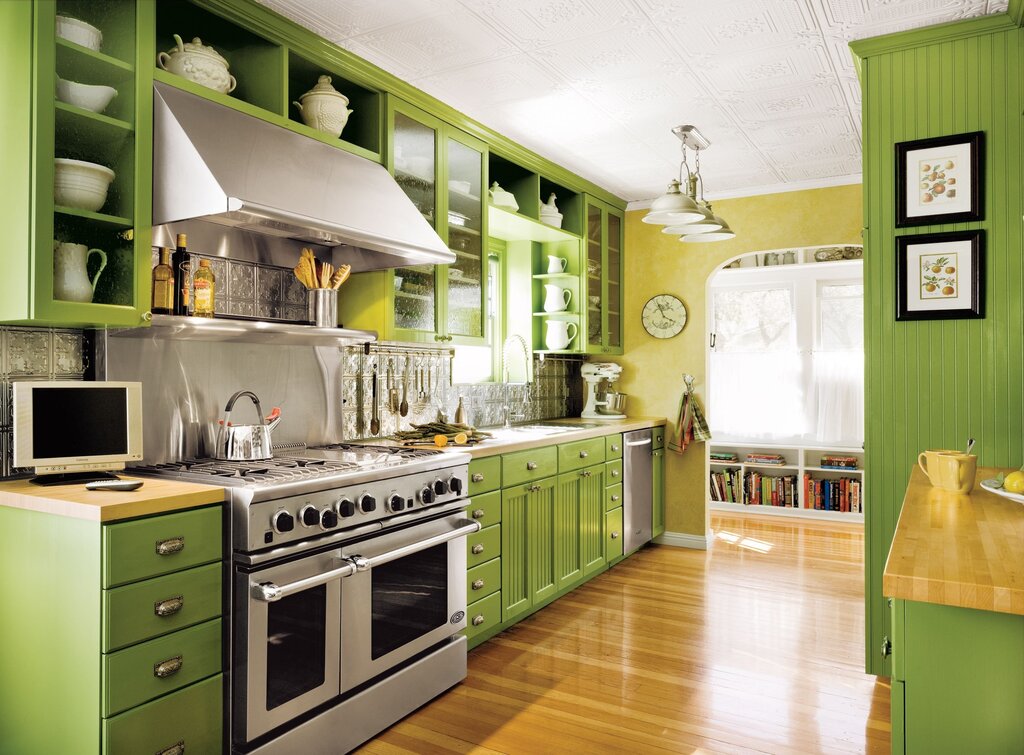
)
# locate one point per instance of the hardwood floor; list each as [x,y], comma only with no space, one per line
[756,645]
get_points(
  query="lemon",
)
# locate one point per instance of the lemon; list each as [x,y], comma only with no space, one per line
[1014,482]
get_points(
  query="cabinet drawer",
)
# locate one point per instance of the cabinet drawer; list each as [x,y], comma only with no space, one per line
[613,534]
[142,672]
[486,508]
[483,615]
[613,497]
[613,472]
[527,466]
[137,612]
[160,544]
[582,453]
[483,546]
[657,437]
[484,475]
[613,447]
[192,718]
[482,580]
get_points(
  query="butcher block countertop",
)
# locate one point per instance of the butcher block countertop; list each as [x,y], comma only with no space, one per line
[506,441]
[958,550]
[154,497]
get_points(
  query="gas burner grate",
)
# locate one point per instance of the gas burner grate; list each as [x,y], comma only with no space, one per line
[288,468]
[401,451]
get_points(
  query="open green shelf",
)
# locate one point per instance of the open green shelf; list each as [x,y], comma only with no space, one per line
[113,221]
[90,60]
[71,113]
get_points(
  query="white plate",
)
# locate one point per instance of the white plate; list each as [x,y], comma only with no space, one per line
[991,487]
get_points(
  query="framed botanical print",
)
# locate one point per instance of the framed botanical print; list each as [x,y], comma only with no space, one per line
[940,180]
[939,276]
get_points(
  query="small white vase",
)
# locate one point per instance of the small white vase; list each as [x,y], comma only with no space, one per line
[70,277]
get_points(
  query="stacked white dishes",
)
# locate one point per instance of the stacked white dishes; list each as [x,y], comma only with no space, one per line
[79,32]
[80,184]
[92,97]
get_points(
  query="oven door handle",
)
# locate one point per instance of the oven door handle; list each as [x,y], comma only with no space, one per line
[362,563]
[269,592]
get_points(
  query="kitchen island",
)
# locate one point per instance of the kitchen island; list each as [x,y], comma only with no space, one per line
[955,574]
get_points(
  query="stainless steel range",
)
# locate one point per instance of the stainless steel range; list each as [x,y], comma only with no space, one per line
[348,589]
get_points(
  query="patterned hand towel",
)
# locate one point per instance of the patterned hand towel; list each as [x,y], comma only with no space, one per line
[691,424]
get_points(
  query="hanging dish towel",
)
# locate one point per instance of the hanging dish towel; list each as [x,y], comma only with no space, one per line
[691,424]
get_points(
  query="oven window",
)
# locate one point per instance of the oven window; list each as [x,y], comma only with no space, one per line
[410,598]
[296,645]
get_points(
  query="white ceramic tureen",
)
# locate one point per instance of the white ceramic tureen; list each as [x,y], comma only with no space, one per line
[199,63]
[324,108]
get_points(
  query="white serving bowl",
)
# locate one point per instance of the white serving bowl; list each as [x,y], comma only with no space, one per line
[93,97]
[80,184]
[79,32]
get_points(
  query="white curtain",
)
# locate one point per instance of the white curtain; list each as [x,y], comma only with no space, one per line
[839,384]
[758,395]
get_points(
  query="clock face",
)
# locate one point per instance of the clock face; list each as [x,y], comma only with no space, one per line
[664,316]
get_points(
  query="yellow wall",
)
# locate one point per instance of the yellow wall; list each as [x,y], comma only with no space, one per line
[656,263]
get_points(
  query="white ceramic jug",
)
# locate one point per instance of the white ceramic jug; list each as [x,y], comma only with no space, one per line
[556,298]
[557,335]
[70,278]
[556,264]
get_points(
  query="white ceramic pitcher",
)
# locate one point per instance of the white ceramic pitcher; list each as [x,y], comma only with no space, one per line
[70,277]
[557,336]
[556,264]
[556,298]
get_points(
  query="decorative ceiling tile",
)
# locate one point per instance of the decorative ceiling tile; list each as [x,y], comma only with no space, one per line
[359,17]
[534,23]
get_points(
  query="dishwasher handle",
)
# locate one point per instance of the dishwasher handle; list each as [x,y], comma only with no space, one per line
[644,442]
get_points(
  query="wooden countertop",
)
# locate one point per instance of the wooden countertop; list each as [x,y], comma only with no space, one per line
[958,550]
[154,497]
[506,441]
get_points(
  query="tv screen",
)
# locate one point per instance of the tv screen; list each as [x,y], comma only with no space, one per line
[79,422]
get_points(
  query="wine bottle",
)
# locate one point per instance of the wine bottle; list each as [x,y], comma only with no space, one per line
[203,281]
[182,263]
[163,285]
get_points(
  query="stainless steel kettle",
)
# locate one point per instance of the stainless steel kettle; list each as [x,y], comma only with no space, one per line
[245,442]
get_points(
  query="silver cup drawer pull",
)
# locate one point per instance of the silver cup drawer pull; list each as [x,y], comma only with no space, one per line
[167,668]
[478,549]
[178,748]
[478,619]
[478,513]
[478,584]
[477,477]
[169,606]
[531,465]
[170,546]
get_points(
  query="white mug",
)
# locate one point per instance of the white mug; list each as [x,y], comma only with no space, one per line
[556,264]
[556,298]
[70,279]
[557,336]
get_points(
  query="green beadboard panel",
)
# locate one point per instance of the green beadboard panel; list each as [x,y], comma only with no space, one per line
[934,384]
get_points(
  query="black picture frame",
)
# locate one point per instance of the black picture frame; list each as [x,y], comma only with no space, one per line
[975,142]
[907,246]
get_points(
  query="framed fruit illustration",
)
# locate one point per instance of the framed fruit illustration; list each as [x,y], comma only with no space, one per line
[939,276]
[940,180]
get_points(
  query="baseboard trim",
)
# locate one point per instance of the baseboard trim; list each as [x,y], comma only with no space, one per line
[683,540]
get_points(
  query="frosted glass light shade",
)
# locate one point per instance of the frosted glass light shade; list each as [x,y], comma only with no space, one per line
[671,208]
[722,234]
[707,223]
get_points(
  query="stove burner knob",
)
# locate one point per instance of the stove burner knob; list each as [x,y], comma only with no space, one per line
[427,495]
[367,503]
[283,522]
[346,507]
[396,503]
[310,516]
[328,519]
[440,487]
[455,485]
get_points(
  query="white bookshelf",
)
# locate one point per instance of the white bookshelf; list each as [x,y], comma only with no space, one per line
[800,459]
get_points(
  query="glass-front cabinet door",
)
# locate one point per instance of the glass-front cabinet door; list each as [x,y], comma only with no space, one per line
[605,266]
[466,161]
[595,270]
[613,282]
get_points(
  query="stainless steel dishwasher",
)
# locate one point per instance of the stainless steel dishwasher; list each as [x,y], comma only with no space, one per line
[637,489]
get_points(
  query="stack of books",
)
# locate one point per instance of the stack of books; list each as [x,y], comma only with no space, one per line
[727,456]
[842,494]
[835,461]
[771,459]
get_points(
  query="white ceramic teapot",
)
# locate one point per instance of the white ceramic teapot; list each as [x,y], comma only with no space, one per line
[324,108]
[557,336]
[199,63]
[556,298]
[70,276]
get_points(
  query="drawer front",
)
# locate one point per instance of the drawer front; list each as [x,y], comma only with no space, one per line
[613,447]
[613,533]
[613,473]
[192,718]
[527,466]
[160,544]
[657,437]
[482,580]
[150,669]
[484,475]
[613,497]
[582,453]
[483,615]
[486,508]
[483,546]
[143,610]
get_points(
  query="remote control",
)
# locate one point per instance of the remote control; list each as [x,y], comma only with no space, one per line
[114,485]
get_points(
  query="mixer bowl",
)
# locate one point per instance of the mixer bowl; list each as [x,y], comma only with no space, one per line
[615,403]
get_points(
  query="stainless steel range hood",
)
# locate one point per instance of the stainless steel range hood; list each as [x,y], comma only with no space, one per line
[219,165]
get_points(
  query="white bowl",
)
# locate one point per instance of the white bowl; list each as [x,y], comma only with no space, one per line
[79,32]
[80,184]
[93,97]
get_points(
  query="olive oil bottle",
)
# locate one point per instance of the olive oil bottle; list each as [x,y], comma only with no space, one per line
[163,285]
[203,281]
[182,265]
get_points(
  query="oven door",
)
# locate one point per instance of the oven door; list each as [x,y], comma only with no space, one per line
[293,642]
[408,593]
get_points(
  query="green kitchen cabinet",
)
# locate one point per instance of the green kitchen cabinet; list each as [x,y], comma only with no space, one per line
[613,535]
[579,537]
[605,240]
[591,487]
[484,475]
[37,129]
[658,497]
[528,574]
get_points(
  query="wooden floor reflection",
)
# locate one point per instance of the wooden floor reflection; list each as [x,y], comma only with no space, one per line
[756,645]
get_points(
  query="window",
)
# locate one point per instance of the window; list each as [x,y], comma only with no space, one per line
[480,364]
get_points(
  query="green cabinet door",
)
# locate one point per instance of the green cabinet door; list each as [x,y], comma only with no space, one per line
[605,265]
[591,486]
[528,574]
[658,499]
[541,543]
[568,556]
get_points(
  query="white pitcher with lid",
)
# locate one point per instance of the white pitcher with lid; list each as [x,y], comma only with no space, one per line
[556,298]
[556,335]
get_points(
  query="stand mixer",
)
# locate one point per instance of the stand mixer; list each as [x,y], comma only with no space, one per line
[594,374]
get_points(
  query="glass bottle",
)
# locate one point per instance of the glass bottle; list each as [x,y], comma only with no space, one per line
[181,263]
[203,281]
[163,285]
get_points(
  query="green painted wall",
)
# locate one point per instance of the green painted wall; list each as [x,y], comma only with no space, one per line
[933,384]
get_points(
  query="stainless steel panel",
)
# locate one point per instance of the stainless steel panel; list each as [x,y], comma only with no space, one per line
[637,489]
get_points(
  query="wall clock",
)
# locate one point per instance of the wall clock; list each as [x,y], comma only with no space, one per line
[664,316]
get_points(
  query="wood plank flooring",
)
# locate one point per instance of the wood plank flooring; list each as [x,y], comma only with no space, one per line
[756,645]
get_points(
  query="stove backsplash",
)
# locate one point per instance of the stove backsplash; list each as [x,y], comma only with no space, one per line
[33,354]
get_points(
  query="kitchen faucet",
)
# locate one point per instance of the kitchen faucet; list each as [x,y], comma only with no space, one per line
[506,409]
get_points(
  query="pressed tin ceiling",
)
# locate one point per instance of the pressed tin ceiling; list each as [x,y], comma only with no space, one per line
[597,85]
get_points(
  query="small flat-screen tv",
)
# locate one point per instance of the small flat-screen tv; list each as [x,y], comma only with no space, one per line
[75,428]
